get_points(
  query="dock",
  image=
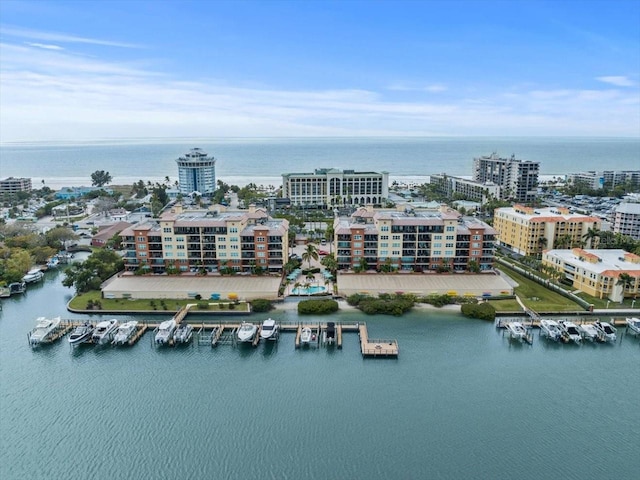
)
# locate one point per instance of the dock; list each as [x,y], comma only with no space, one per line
[376,347]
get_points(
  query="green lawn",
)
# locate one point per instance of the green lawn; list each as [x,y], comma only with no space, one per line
[506,305]
[539,298]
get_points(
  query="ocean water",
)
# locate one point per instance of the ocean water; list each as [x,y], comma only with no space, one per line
[460,402]
[264,160]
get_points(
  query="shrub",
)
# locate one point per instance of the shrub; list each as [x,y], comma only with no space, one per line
[385,303]
[317,306]
[261,305]
[202,305]
[483,311]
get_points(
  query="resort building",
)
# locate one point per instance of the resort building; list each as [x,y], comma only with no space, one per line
[328,187]
[626,220]
[196,173]
[517,179]
[205,239]
[410,240]
[469,189]
[14,185]
[529,231]
[598,273]
[605,179]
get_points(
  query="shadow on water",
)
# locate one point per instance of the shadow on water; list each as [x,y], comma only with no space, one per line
[270,348]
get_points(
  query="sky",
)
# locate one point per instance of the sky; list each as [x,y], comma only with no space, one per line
[109,69]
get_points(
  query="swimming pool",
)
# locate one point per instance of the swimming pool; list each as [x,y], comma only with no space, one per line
[309,291]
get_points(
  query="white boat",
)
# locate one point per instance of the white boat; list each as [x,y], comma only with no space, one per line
[104,331]
[183,334]
[607,330]
[165,331]
[246,332]
[570,331]
[516,331]
[634,325]
[33,275]
[550,329]
[269,330]
[590,332]
[125,332]
[53,262]
[306,336]
[81,334]
[43,330]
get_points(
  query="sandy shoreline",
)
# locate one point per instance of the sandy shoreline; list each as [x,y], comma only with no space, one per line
[344,306]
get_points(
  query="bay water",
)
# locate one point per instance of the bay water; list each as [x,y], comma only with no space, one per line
[460,402]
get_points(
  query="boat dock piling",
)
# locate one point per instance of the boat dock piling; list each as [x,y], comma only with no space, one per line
[140,329]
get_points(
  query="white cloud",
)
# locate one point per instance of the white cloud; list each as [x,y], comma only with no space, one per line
[618,81]
[45,46]
[433,88]
[8,31]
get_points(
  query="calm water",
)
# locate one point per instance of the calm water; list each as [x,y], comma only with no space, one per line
[459,403]
[264,160]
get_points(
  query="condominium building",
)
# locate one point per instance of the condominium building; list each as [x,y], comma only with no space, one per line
[192,240]
[327,187]
[626,220]
[412,240]
[529,231]
[518,179]
[14,185]
[597,272]
[196,173]
[596,180]
[469,189]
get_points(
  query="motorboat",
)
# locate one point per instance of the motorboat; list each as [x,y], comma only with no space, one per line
[570,331]
[17,287]
[33,275]
[125,332]
[5,292]
[81,334]
[104,331]
[330,333]
[516,331]
[550,329]
[607,330]
[590,332]
[43,330]
[53,262]
[165,332]
[183,334]
[633,324]
[269,330]
[306,336]
[246,332]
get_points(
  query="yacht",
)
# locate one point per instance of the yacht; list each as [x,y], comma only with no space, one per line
[104,331]
[125,332]
[607,330]
[246,332]
[570,331]
[590,332]
[165,332]
[516,331]
[43,330]
[550,329]
[269,330]
[306,336]
[17,287]
[183,334]
[633,324]
[33,275]
[81,334]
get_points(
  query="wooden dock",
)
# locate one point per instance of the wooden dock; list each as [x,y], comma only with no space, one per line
[376,347]
[140,329]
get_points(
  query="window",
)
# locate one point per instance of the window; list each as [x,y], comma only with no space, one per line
[142,246]
[140,239]
[180,247]
[166,229]
[476,245]
[451,228]
[233,229]
[222,247]
[384,237]
[395,253]
[357,244]
[168,254]
[437,252]
[448,253]
[437,237]
[233,239]
[450,237]
[234,247]
[167,239]
[179,239]
[475,252]
[384,228]
[448,245]
[222,239]
[181,254]
[357,252]
[397,237]
[384,253]
[234,254]
[384,245]
[261,254]
[260,247]
[395,244]
[357,237]
[476,237]
[437,245]
[260,239]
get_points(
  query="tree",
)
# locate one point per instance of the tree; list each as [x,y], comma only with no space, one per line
[330,263]
[59,236]
[626,281]
[100,178]
[90,274]
[310,253]
[591,236]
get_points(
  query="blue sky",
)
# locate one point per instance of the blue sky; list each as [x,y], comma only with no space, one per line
[110,69]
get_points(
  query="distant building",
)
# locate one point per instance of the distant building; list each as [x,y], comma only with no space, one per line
[517,179]
[449,186]
[196,173]
[69,193]
[14,185]
[412,240]
[597,272]
[328,187]
[597,180]
[529,231]
[106,233]
[626,220]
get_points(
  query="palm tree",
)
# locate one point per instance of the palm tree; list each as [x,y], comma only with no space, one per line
[296,286]
[310,253]
[626,281]
[590,236]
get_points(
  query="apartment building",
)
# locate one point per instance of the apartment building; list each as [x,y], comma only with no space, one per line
[412,240]
[607,178]
[469,189]
[597,272]
[192,240]
[529,231]
[327,187]
[12,185]
[626,220]
[197,173]
[518,179]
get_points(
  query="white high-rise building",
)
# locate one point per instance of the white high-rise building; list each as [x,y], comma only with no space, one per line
[518,179]
[197,173]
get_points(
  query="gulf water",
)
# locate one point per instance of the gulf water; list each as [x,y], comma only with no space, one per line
[460,402]
[264,160]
